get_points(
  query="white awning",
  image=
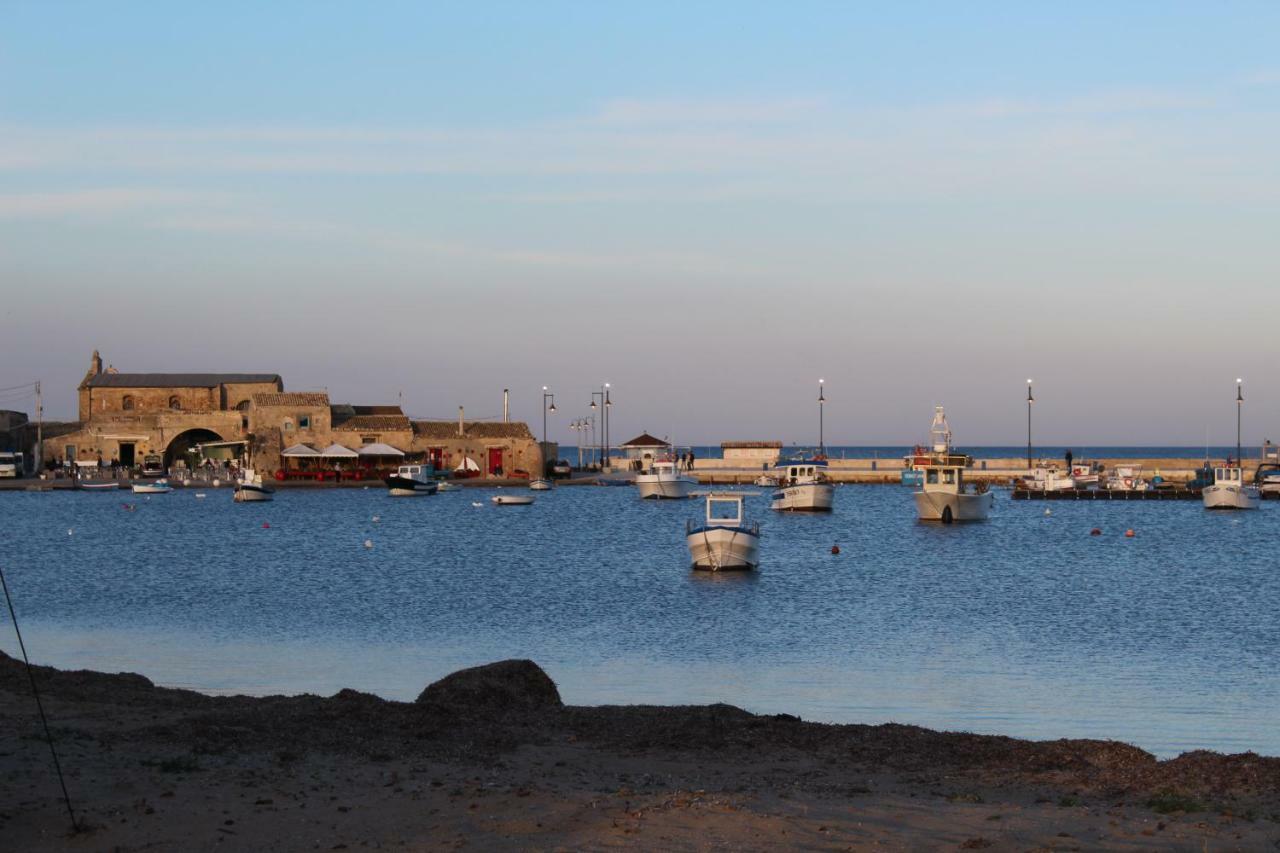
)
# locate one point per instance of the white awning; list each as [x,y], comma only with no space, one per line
[300,450]
[379,449]
[337,451]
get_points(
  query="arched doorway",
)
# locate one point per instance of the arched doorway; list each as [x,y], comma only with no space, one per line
[183,442]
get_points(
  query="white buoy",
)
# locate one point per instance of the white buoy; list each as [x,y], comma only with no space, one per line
[1048,511]
[377,518]
[70,531]
[476,503]
[216,483]
[199,494]
[368,543]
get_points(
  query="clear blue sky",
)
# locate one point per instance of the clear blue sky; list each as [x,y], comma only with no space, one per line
[708,205]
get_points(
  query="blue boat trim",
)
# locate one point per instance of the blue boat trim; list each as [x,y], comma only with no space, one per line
[704,528]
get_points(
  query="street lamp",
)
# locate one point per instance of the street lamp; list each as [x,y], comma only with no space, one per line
[1030,400]
[603,395]
[1239,407]
[822,444]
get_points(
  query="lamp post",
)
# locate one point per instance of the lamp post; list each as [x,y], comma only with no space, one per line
[545,397]
[822,444]
[607,404]
[1030,400]
[1239,407]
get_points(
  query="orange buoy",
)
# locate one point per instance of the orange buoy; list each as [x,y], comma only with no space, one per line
[1129,534]
[1097,531]
[835,549]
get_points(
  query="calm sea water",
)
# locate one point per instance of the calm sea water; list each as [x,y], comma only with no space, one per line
[1025,625]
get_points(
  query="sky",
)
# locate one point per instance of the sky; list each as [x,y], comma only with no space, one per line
[709,206]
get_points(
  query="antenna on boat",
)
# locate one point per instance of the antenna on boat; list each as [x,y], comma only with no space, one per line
[35,691]
[940,432]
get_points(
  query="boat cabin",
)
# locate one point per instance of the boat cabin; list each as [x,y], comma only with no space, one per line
[797,471]
[1228,476]
[724,510]
[416,472]
[941,469]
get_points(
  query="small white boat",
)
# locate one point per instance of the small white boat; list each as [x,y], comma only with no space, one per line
[447,486]
[1229,491]
[541,485]
[99,487]
[512,500]
[1048,480]
[663,481]
[1086,474]
[411,480]
[944,495]
[764,481]
[159,487]
[803,486]
[1127,478]
[251,489]
[723,541]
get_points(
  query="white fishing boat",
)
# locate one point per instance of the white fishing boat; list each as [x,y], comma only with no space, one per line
[251,489]
[412,480]
[111,486]
[664,481]
[803,486]
[1229,491]
[723,541]
[1127,478]
[944,495]
[766,481]
[1048,480]
[541,485]
[512,500]
[159,487]
[1087,474]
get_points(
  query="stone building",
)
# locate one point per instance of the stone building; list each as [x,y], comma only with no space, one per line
[127,416]
[751,452]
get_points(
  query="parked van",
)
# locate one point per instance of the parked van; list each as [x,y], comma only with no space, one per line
[11,463]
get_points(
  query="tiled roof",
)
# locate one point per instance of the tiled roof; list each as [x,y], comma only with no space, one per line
[472,429]
[292,398]
[177,380]
[646,440]
[373,423]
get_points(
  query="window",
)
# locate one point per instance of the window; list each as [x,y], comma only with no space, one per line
[175,403]
[931,476]
[949,477]
[127,403]
[304,421]
[287,426]
[368,439]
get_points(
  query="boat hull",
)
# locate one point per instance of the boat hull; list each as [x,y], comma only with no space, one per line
[947,507]
[249,493]
[152,490]
[99,487]
[1230,497]
[511,500]
[720,549]
[406,487]
[651,487]
[541,486]
[804,497]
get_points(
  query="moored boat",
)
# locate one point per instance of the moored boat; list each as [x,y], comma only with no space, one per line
[412,480]
[664,481]
[1229,491]
[251,489]
[1049,480]
[541,485]
[803,486]
[944,495]
[159,487]
[111,486]
[1127,478]
[723,541]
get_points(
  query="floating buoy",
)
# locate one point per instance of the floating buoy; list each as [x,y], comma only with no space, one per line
[476,503]
[368,543]
[1129,534]
[377,518]
[199,494]
[1048,511]
[216,483]
[835,549]
[265,526]
[70,531]
[1097,531]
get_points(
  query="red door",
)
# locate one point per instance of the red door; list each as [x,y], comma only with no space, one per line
[495,461]
[436,456]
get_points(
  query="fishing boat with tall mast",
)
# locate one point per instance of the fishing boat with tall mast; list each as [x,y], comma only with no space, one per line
[803,484]
[1229,490]
[944,495]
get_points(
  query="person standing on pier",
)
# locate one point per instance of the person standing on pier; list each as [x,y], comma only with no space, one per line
[1069,457]
[690,458]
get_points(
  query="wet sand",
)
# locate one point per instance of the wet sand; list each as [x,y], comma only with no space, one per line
[490,759]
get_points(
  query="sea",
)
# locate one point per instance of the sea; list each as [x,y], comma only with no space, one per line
[894,453]
[1026,625]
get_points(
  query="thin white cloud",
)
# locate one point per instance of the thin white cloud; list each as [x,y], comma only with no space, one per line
[649,111]
[98,201]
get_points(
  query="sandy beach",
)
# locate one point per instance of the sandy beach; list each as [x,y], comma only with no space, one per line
[489,758]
